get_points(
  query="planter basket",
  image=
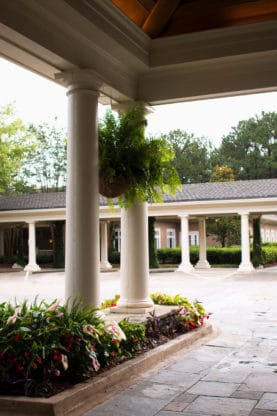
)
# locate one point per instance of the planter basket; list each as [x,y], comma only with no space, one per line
[117,187]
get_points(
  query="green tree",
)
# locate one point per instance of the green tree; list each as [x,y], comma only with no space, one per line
[192,156]
[153,260]
[257,254]
[250,149]
[227,229]
[222,174]
[13,146]
[45,163]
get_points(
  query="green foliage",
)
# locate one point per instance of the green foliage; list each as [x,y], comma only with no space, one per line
[145,163]
[222,174]
[59,244]
[224,255]
[257,253]
[45,163]
[153,261]
[226,230]
[13,146]
[191,156]
[169,255]
[250,149]
[270,253]
[114,257]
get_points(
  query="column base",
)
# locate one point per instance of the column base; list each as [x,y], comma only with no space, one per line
[32,268]
[130,310]
[135,306]
[105,265]
[246,267]
[202,264]
[185,268]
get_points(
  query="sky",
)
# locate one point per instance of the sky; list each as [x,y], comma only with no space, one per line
[40,100]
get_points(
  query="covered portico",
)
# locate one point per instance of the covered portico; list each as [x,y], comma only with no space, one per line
[97,52]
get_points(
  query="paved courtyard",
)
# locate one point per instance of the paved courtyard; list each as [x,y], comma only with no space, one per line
[232,374]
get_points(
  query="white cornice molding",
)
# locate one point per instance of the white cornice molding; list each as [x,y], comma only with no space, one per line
[212,44]
[55,36]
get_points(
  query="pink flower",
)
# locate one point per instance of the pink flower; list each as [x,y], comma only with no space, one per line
[53,307]
[95,364]
[12,319]
[64,361]
[113,328]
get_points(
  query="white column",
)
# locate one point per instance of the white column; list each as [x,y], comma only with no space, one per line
[32,265]
[134,269]
[202,262]
[82,196]
[185,265]
[1,242]
[245,265]
[104,262]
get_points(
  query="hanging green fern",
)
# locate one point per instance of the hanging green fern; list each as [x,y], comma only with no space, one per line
[143,163]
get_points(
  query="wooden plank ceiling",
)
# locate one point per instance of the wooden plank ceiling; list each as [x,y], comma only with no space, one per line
[160,18]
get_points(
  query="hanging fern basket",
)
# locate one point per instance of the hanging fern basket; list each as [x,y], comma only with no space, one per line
[112,188]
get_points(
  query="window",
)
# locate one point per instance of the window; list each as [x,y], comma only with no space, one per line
[194,238]
[170,238]
[157,238]
[117,240]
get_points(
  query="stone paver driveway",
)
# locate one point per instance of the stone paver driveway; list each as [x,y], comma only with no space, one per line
[233,374]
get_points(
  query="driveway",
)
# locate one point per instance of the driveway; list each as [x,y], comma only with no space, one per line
[234,374]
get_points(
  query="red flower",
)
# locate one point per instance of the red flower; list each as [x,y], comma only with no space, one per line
[39,360]
[20,368]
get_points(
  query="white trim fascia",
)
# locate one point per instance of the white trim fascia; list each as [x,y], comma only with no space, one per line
[212,44]
[33,214]
[223,76]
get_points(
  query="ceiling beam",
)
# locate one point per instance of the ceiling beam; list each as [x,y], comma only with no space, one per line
[159,17]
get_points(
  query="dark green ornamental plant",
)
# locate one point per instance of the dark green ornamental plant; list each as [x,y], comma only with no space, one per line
[131,166]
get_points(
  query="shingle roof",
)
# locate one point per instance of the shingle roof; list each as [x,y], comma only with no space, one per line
[261,188]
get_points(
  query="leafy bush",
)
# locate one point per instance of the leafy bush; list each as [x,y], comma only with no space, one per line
[43,347]
[270,253]
[169,255]
[224,255]
[114,257]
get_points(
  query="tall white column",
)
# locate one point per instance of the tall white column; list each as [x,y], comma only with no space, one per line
[32,265]
[134,268]
[245,265]
[1,242]
[202,262]
[185,265]
[82,196]
[104,262]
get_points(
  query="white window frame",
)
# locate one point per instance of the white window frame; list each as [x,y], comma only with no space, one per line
[157,238]
[170,238]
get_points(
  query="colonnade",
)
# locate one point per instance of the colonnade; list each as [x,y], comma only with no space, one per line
[82,213]
[186,266]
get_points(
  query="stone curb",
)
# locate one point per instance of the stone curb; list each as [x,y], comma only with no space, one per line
[84,396]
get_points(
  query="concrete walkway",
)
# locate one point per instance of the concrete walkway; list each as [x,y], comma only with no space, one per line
[232,374]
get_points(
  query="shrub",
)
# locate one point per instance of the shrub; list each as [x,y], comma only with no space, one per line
[270,253]
[43,347]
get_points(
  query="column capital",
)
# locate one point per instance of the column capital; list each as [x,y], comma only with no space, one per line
[80,79]
[185,216]
[242,212]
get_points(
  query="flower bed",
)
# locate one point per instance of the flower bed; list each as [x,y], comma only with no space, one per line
[45,348]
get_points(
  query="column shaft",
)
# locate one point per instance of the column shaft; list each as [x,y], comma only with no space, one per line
[202,262]
[245,264]
[32,265]
[134,270]
[104,262]
[185,265]
[82,198]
